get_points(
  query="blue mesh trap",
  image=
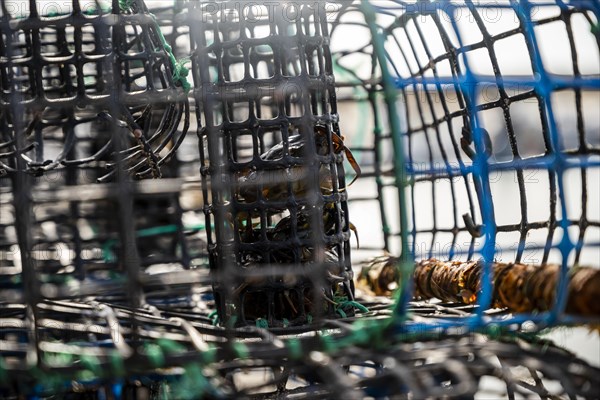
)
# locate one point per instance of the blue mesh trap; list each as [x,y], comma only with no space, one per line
[484,181]
[183,187]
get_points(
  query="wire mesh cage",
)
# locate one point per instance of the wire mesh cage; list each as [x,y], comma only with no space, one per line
[271,149]
[139,260]
[62,75]
[484,135]
[85,96]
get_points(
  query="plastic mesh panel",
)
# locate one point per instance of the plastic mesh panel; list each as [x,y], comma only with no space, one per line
[492,107]
[271,152]
[69,77]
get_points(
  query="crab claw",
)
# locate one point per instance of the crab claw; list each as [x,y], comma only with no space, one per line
[338,142]
[353,163]
[353,229]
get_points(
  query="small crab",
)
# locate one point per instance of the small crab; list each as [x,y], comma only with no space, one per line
[283,229]
[275,181]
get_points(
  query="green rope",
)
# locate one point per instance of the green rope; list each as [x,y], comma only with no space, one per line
[180,72]
[360,332]
[159,230]
[170,346]
[117,363]
[354,304]
[155,355]
[329,343]
[363,332]
[193,383]
[209,356]
[164,392]
[295,348]
[214,317]
[341,312]
[406,266]
[240,349]
[343,302]
[262,323]
[125,5]
[94,11]
[109,255]
[3,373]
[232,321]
[91,363]
[58,359]
[52,381]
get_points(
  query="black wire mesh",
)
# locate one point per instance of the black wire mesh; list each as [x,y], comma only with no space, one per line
[58,72]
[271,154]
[86,94]
[106,283]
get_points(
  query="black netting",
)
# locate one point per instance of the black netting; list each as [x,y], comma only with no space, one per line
[272,154]
[253,363]
[69,79]
[139,260]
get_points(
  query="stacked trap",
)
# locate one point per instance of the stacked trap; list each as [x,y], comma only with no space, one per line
[177,216]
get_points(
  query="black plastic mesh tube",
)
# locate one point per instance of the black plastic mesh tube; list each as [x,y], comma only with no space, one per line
[264,89]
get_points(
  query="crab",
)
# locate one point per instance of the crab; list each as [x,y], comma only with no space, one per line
[275,181]
[276,185]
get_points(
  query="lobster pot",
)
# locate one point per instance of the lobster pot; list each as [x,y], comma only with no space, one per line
[271,155]
[485,132]
[91,99]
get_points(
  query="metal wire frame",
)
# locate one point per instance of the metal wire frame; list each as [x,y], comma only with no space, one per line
[427,91]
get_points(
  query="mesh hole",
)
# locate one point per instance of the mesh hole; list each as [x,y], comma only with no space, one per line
[513,56]
[528,128]
[469,33]
[269,138]
[238,111]
[290,63]
[293,101]
[588,53]
[564,108]
[235,64]
[554,47]
[243,148]
[261,60]
[500,20]
[268,108]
